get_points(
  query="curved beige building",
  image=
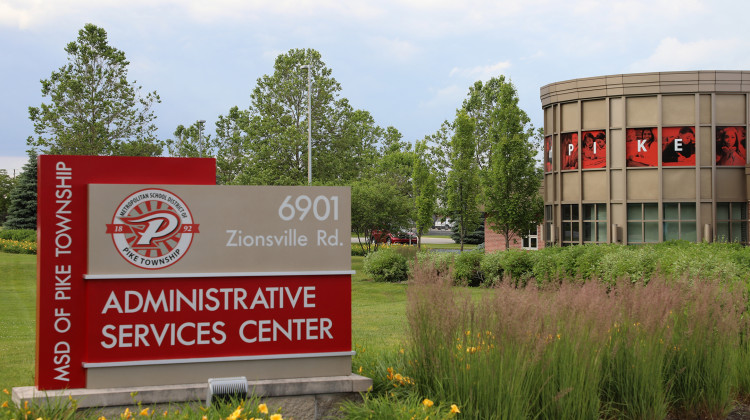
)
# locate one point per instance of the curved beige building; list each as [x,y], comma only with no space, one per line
[649,157]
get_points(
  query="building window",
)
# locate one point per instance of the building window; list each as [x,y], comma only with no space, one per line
[569,225]
[679,221]
[594,223]
[530,240]
[548,225]
[643,223]
[731,222]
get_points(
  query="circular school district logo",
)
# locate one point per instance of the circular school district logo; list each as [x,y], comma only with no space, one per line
[152,228]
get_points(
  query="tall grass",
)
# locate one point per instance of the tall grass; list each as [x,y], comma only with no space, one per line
[612,349]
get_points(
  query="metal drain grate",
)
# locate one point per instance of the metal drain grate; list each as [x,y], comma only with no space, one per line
[225,389]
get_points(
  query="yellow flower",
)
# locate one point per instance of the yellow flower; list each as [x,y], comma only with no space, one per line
[5,404]
[165,413]
[263,408]
[427,403]
[125,414]
[235,414]
[204,418]
[360,369]
[5,390]
[101,418]
[144,412]
[454,409]
[276,417]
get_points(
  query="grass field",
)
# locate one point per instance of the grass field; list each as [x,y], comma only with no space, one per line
[17,319]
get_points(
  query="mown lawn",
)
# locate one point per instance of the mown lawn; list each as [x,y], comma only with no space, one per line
[17,319]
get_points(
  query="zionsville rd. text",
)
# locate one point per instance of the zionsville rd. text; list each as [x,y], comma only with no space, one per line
[63,269]
[208,300]
[287,238]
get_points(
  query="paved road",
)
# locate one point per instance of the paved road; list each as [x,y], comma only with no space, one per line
[425,240]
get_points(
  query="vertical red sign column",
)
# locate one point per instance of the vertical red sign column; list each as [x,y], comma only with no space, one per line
[62,248]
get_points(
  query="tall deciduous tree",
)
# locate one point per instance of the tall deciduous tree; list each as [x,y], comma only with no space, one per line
[513,203]
[188,142]
[463,179]
[94,109]
[494,107]
[22,209]
[425,190]
[229,143]
[343,139]
[511,180]
[396,160]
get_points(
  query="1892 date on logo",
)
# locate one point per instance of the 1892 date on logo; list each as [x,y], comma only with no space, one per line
[152,228]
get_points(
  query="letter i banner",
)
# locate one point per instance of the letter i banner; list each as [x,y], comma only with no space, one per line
[62,217]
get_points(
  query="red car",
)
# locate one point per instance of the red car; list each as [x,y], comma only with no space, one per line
[402,237]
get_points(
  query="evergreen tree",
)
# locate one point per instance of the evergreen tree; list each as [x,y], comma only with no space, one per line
[22,209]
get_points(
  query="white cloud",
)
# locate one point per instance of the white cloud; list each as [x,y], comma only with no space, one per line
[452,94]
[481,72]
[11,163]
[395,48]
[672,54]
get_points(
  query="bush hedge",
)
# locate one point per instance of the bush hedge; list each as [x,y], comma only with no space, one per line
[607,263]
[27,235]
[386,265]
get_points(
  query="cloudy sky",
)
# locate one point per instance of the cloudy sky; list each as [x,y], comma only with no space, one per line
[409,63]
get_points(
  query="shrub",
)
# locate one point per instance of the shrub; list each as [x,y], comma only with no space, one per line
[513,264]
[27,235]
[518,266]
[386,265]
[467,269]
[440,262]
[492,267]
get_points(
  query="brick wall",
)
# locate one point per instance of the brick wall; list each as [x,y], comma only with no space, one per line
[496,242]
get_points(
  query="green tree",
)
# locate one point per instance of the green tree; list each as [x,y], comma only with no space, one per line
[6,187]
[494,107]
[425,190]
[22,209]
[229,145]
[94,109]
[506,153]
[513,203]
[343,139]
[463,178]
[396,160]
[188,143]
[377,205]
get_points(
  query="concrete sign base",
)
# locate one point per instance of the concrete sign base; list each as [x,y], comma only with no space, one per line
[301,398]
